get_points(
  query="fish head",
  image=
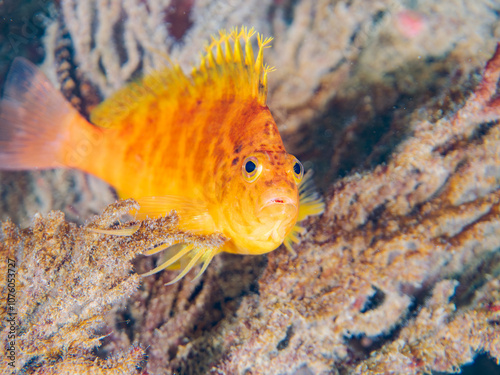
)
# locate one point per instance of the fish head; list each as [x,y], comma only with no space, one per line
[261,202]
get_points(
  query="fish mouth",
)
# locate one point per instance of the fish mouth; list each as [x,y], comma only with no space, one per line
[278,209]
[277,216]
[279,201]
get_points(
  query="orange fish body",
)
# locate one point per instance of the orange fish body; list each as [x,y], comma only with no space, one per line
[205,145]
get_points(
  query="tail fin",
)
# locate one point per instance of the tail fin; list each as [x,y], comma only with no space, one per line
[35,120]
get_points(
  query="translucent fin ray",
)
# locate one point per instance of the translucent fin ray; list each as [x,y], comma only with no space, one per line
[34,120]
[116,232]
[193,214]
[189,256]
[206,262]
[186,269]
[310,204]
[157,249]
[171,261]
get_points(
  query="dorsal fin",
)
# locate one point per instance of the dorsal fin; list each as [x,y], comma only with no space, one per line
[225,70]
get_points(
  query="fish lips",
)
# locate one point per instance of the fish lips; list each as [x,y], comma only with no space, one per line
[282,209]
[279,215]
[278,206]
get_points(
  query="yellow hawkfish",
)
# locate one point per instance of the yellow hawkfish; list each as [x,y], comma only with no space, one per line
[204,144]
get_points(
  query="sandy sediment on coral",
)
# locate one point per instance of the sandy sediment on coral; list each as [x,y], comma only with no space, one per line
[386,237]
[66,278]
[63,281]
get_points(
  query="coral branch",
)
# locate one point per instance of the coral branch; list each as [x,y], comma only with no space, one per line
[387,236]
[67,279]
[439,339]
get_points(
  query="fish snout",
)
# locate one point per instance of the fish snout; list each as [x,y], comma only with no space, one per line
[277,216]
[279,200]
[279,207]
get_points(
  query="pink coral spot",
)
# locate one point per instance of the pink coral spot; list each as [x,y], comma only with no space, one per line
[494,307]
[410,23]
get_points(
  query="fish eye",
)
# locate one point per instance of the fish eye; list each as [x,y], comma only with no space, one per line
[250,166]
[298,171]
[251,169]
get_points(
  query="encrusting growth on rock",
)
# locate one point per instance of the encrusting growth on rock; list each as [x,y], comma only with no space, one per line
[67,278]
[390,238]
[401,274]
[430,341]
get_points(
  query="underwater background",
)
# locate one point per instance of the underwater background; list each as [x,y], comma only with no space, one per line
[395,107]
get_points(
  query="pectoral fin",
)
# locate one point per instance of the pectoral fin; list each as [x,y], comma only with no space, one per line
[184,257]
[310,204]
[193,214]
